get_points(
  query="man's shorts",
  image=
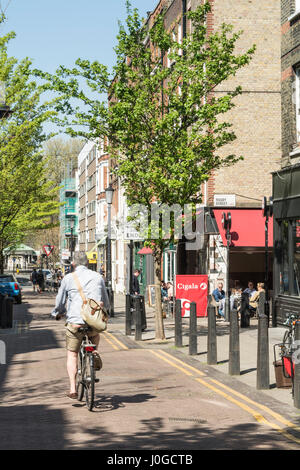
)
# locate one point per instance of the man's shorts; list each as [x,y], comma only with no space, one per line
[74,337]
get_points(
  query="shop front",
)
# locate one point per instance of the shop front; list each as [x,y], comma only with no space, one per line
[286,203]
[246,256]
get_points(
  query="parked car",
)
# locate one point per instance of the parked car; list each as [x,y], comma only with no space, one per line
[47,274]
[10,286]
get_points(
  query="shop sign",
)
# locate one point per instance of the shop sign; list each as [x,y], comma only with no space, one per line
[192,288]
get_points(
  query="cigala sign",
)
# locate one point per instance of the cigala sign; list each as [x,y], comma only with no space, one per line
[192,288]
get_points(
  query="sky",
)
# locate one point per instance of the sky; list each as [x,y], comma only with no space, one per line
[57,32]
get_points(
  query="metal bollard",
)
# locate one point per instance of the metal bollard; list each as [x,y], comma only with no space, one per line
[234,345]
[178,324]
[143,312]
[9,312]
[128,315]
[211,335]
[263,373]
[245,315]
[3,312]
[193,329]
[296,361]
[138,319]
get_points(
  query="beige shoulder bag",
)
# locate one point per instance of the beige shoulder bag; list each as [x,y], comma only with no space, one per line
[91,312]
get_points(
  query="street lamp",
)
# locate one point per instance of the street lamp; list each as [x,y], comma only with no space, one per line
[109,198]
[267,212]
[226,224]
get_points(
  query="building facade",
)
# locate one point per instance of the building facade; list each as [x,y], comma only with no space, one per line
[68,218]
[256,121]
[286,181]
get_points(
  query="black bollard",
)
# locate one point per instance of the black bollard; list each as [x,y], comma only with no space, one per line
[234,344]
[245,314]
[178,324]
[9,312]
[128,315]
[263,373]
[3,317]
[138,319]
[143,312]
[211,335]
[296,361]
[193,329]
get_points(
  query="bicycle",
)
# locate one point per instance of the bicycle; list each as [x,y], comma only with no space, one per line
[288,347]
[86,377]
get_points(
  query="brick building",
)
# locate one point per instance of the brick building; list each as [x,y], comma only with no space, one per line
[92,181]
[256,120]
[286,181]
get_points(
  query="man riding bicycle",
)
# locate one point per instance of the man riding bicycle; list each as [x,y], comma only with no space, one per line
[94,287]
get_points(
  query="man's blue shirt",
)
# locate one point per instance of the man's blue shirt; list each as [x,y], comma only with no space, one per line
[68,299]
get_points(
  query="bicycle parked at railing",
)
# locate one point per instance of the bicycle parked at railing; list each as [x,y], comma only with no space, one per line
[288,347]
[86,376]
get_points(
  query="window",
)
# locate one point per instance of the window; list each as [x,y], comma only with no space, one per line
[179,37]
[91,182]
[290,257]
[296,252]
[296,101]
[92,207]
[284,270]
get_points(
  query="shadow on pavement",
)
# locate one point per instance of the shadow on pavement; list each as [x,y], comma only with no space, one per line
[152,435]
[32,427]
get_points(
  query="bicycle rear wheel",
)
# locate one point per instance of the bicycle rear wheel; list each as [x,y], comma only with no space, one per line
[89,381]
[79,377]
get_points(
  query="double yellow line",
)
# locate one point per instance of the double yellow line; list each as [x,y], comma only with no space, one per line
[229,394]
[114,342]
[237,398]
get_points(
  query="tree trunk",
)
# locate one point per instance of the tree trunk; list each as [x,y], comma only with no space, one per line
[159,324]
[1,258]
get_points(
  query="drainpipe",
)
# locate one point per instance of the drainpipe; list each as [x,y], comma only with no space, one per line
[183,18]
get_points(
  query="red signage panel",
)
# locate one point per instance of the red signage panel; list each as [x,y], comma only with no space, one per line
[192,288]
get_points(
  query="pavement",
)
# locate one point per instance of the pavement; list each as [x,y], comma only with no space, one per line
[248,347]
[151,395]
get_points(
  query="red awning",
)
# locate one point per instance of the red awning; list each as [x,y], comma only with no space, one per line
[145,251]
[247,227]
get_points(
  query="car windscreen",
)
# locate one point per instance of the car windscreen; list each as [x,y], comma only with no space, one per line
[6,279]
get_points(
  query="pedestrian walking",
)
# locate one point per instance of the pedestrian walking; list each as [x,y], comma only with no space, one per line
[40,281]
[33,278]
[69,303]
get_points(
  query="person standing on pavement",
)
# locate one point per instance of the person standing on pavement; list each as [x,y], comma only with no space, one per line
[135,282]
[40,280]
[94,288]
[33,278]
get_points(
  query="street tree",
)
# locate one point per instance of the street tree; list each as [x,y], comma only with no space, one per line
[164,122]
[27,197]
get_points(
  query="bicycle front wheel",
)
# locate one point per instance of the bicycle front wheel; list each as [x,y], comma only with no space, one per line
[89,381]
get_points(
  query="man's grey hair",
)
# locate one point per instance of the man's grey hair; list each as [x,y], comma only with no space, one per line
[80,259]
